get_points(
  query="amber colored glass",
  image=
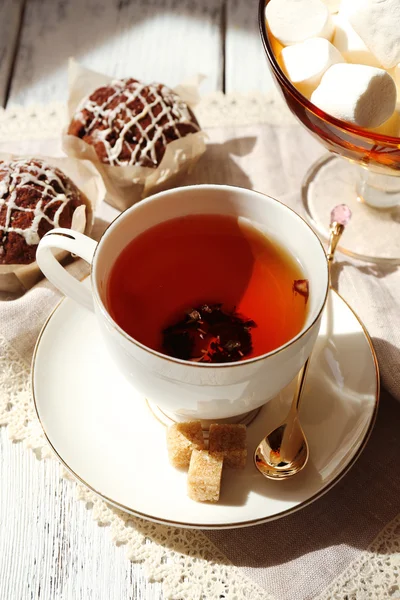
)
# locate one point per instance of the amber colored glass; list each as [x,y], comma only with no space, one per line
[368,148]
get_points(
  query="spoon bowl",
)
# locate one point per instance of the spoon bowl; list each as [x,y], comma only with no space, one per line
[284,451]
[279,468]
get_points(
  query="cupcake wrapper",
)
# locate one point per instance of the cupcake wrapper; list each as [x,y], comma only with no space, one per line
[18,278]
[127,185]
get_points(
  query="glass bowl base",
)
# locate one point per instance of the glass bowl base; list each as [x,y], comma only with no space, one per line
[373,234]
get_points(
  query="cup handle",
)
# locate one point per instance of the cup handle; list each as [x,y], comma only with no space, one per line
[71,241]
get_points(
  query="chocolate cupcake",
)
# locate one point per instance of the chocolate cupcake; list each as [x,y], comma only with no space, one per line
[34,198]
[129,123]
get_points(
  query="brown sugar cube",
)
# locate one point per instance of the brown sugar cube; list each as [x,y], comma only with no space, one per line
[230,440]
[204,477]
[182,439]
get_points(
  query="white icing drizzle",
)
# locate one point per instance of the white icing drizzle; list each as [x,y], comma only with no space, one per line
[19,174]
[172,108]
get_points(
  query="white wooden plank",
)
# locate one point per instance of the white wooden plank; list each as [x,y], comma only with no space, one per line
[246,67]
[50,547]
[153,40]
[10,15]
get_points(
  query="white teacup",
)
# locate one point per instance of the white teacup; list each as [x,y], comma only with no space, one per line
[195,390]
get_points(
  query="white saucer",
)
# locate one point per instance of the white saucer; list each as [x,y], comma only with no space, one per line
[107,437]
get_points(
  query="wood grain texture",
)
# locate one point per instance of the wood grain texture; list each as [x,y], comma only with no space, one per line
[246,67]
[50,548]
[164,40]
[10,16]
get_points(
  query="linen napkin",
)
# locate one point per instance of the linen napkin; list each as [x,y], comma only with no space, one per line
[323,551]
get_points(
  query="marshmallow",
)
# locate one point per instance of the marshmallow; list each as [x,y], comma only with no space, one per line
[347,7]
[305,63]
[333,5]
[293,21]
[377,22]
[349,43]
[365,96]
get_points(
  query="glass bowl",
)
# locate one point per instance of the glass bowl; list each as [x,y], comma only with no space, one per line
[368,182]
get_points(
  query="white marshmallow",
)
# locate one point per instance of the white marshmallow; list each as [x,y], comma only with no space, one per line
[377,22]
[349,43]
[347,7]
[333,5]
[305,63]
[293,21]
[365,96]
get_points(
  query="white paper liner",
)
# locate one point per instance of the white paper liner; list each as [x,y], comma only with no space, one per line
[18,278]
[127,185]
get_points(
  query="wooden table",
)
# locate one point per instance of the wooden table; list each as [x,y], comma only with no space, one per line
[50,548]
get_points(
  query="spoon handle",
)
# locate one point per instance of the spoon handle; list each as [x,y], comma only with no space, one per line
[292,434]
[301,379]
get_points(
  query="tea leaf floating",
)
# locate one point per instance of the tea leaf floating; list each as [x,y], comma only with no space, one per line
[301,286]
[209,334]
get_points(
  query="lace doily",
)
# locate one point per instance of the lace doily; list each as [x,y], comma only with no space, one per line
[214,110]
[187,563]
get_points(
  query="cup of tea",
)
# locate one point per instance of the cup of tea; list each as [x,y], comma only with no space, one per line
[209,297]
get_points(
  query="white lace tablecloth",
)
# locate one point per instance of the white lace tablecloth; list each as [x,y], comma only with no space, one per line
[344,546]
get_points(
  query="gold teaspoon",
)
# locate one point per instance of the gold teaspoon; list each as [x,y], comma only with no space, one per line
[284,451]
